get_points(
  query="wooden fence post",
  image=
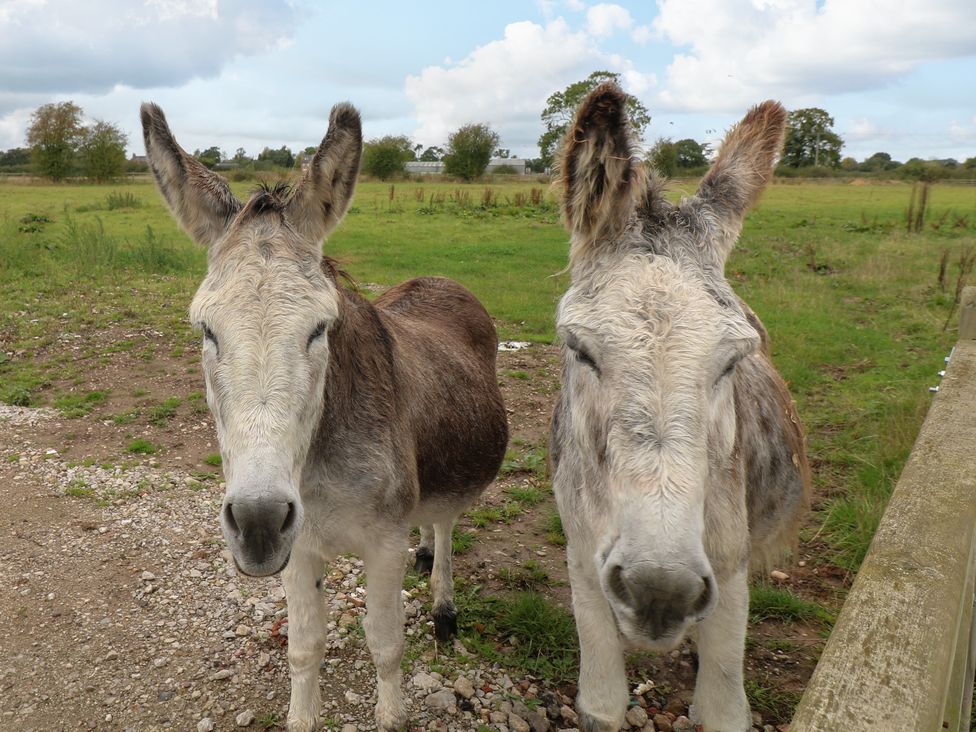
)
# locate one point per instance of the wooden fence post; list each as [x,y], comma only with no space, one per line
[967,314]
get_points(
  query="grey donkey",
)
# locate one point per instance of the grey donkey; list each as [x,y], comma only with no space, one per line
[676,451]
[342,422]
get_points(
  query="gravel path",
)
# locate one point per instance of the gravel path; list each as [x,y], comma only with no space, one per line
[124,611]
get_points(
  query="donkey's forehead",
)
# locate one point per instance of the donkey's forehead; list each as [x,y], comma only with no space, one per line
[638,289]
[258,279]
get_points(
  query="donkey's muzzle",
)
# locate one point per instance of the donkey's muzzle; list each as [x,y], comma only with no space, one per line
[655,604]
[260,534]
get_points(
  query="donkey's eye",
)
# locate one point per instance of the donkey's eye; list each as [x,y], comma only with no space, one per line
[317,333]
[209,335]
[727,371]
[583,356]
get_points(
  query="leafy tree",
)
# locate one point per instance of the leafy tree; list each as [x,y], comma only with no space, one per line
[502,152]
[810,139]
[282,157]
[102,151]
[432,154]
[15,157]
[970,164]
[53,136]
[663,157]
[849,163]
[561,106]
[469,150]
[240,157]
[690,154]
[384,157]
[209,157]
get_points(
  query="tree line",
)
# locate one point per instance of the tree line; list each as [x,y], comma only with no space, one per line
[60,145]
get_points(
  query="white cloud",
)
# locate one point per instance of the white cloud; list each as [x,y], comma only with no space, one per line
[576,6]
[740,51]
[604,19]
[70,47]
[506,82]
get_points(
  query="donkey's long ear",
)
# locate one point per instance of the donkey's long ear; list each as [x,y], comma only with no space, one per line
[599,171]
[745,162]
[200,200]
[325,191]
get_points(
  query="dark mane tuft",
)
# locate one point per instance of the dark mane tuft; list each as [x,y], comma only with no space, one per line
[268,198]
[332,269]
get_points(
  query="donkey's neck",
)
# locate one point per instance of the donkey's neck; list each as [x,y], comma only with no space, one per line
[360,386]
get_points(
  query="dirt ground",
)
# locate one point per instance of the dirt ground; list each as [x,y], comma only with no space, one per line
[121,611]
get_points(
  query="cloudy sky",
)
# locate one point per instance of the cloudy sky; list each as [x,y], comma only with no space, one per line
[897,75]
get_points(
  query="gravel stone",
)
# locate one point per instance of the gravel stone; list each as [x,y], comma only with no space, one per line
[517,724]
[443,699]
[464,687]
[636,717]
[206,725]
[245,718]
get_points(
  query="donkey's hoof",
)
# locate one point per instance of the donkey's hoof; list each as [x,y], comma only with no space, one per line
[445,623]
[424,561]
[391,718]
[305,724]
[589,723]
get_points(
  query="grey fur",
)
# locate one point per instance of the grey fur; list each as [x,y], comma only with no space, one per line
[676,451]
[342,422]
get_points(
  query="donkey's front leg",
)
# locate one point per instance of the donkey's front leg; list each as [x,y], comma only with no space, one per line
[306,633]
[720,703]
[385,566]
[602,697]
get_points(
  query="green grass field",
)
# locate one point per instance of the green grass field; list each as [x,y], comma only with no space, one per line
[851,301]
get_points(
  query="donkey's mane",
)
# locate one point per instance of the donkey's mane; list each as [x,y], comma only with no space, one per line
[268,198]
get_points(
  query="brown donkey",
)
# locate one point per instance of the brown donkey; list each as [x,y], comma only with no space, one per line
[677,454]
[341,422]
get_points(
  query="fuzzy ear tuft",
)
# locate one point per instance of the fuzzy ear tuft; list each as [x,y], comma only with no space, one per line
[600,173]
[745,162]
[199,199]
[322,197]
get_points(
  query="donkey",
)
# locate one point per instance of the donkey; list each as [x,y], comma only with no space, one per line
[675,447]
[342,423]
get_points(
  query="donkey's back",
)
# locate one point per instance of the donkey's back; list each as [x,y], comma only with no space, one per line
[447,345]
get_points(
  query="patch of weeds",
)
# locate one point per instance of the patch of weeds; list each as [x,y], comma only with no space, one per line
[198,402]
[162,413]
[520,375]
[116,200]
[533,462]
[13,457]
[527,495]
[539,636]
[462,541]
[510,510]
[771,702]
[17,396]
[484,516]
[199,475]
[78,405]
[139,392]
[213,459]
[88,462]
[269,720]
[79,489]
[125,417]
[554,529]
[767,602]
[529,576]
[142,447]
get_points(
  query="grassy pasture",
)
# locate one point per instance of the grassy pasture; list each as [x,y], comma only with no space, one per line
[851,300]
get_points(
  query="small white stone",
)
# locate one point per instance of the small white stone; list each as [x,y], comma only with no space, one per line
[206,725]
[779,576]
[636,717]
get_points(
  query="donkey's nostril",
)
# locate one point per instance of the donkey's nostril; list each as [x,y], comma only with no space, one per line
[289,518]
[229,518]
[705,597]
[615,579]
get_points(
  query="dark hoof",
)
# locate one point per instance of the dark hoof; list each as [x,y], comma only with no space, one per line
[424,561]
[445,623]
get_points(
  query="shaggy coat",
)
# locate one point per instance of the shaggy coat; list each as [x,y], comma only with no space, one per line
[342,422]
[676,451]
